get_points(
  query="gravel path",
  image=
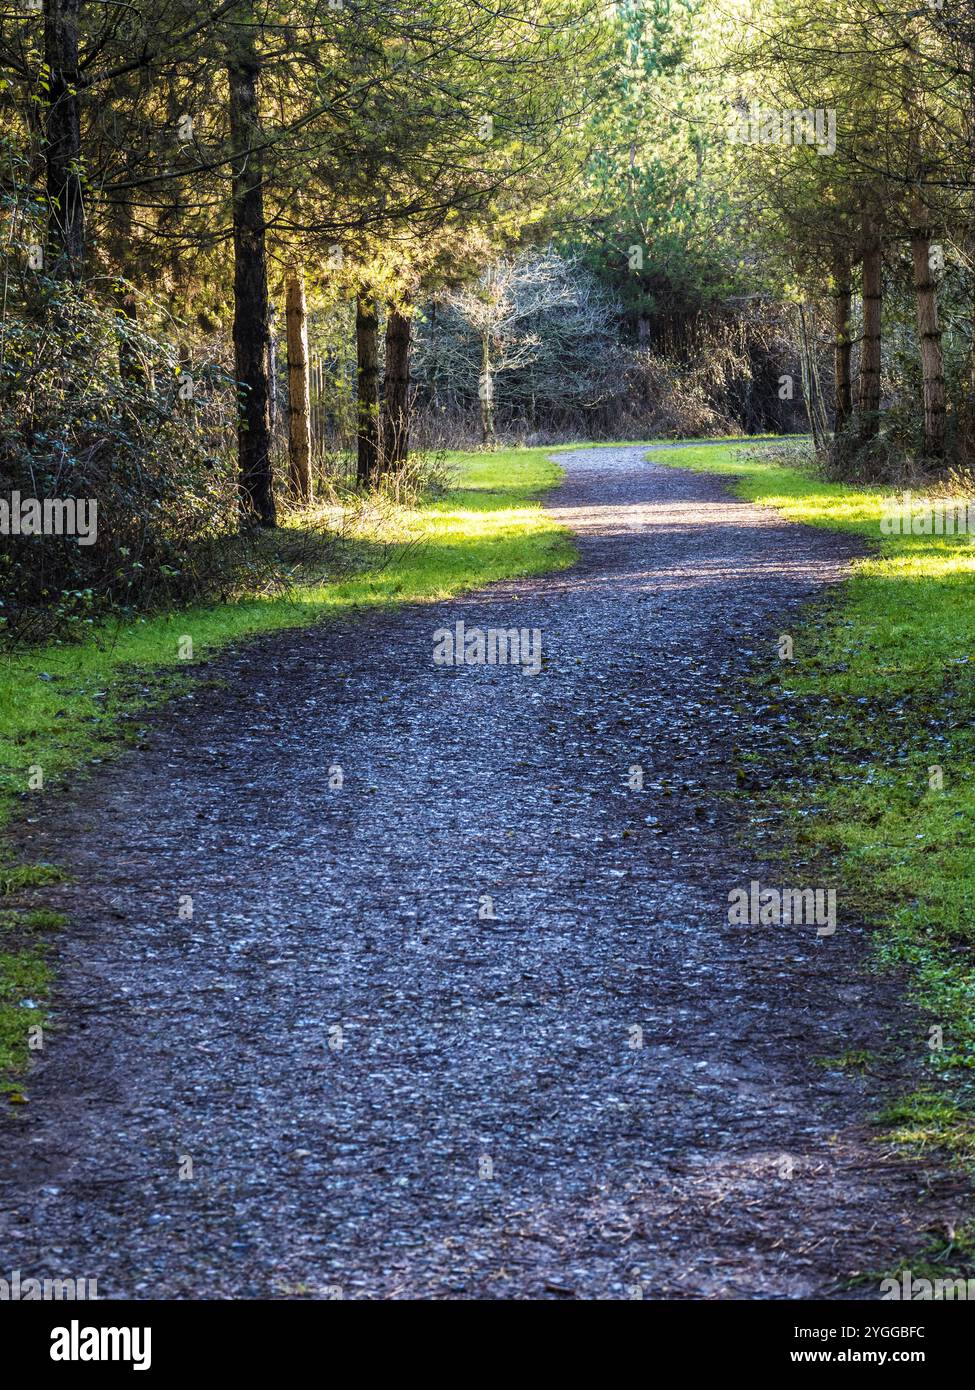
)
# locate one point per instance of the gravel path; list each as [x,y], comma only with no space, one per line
[383,1092]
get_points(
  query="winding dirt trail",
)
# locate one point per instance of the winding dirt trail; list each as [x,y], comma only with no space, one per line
[487,1127]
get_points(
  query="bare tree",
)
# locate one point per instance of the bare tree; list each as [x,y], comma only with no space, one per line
[536,326]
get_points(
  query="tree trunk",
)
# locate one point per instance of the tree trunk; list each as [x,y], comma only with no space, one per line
[252,336]
[396,390]
[812,395]
[66,207]
[299,429]
[486,392]
[132,369]
[133,365]
[868,402]
[272,361]
[367,387]
[929,339]
[843,348]
[966,413]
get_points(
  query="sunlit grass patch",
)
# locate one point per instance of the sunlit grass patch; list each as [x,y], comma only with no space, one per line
[66,706]
[61,705]
[886,670]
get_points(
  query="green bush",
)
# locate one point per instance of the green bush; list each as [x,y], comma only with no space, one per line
[97,408]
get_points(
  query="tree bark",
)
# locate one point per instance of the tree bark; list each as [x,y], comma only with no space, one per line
[929,340]
[485,390]
[966,411]
[843,347]
[868,402]
[132,369]
[396,390]
[367,387]
[812,395]
[252,336]
[299,428]
[133,365]
[272,392]
[66,206]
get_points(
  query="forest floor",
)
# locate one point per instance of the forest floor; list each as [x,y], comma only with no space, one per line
[474,1023]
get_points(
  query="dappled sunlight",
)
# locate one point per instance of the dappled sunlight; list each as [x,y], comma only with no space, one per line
[393,554]
[487,798]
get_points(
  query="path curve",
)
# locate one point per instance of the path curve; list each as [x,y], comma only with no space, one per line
[487,1127]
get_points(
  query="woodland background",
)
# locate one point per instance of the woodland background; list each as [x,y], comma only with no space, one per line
[259,260]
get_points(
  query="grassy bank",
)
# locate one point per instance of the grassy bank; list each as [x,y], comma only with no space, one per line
[882,696]
[65,706]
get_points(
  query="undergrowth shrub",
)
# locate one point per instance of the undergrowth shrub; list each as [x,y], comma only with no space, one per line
[96,407]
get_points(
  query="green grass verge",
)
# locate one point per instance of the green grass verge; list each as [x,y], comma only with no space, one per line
[65,706]
[882,697]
